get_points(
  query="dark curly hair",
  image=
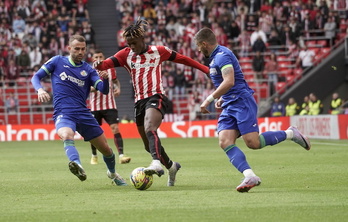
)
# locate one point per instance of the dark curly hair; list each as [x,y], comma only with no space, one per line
[136,30]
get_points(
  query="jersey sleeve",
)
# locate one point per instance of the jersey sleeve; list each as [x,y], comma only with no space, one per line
[223,60]
[50,65]
[165,52]
[113,73]
[121,56]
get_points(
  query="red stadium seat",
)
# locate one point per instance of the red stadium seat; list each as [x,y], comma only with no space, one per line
[318,58]
[314,49]
[25,119]
[325,51]
[12,119]
[281,87]
[311,43]
[282,58]
[298,73]
[245,60]
[322,43]
[290,79]
[343,27]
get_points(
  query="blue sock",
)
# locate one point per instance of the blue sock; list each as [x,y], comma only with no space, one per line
[110,162]
[71,151]
[272,138]
[237,158]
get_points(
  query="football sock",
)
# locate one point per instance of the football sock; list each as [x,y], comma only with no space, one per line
[118,143]
[71,151]
[154,145]
[249,173]
[289,134]
[110,162]
[271,138]
[165,160]
[237,158]
[94,150]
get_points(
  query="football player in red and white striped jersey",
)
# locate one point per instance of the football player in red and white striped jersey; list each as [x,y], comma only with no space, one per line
[143,62]
[103,106]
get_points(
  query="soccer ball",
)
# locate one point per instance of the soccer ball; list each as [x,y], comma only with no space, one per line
[140,180]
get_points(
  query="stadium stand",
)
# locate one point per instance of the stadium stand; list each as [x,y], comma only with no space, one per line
[48,24]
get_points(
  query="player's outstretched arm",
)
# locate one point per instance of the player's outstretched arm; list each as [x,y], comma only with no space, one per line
[179,58]
[108,63]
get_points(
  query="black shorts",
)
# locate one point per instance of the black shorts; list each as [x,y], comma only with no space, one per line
[110,116]
[158,101]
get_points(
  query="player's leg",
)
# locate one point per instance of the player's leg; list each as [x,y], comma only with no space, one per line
[66,131]
[270,138]
[101,144]
[111,117]
[118,140]
[94,157]
[172,167]
[228,131]
[249,129]
[227,140]
[152,120]
[92,132]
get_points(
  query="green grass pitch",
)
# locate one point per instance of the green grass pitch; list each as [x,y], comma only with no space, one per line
[297,185]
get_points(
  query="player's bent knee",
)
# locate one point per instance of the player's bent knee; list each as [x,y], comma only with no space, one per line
[253,146]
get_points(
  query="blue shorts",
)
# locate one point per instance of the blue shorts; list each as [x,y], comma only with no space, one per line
[240,115]
[84,123]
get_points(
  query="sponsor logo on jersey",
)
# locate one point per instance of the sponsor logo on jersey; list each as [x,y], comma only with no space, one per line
[145,65]
[65,66]
[83,73]
[63,76]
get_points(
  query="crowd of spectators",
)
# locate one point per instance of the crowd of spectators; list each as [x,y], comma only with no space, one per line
[251,29]
[32,31]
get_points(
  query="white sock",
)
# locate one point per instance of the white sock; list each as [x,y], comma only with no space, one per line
[94,155]
[121,155]
[249,173]
[289,134]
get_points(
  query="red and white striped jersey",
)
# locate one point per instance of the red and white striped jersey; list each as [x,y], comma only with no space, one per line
[145,69]
[99,101]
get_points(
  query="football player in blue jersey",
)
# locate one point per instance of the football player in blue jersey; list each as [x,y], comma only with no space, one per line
[71,81]
[239,109]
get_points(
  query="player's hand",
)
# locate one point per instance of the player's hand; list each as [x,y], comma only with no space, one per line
[204,106]
[218,104]
[103,74]
[43,96]
[97,63]
[117,92]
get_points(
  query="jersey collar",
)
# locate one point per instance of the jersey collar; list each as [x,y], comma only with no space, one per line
[213,52]
[73,63]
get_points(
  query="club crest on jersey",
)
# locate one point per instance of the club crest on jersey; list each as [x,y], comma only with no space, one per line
[83,73]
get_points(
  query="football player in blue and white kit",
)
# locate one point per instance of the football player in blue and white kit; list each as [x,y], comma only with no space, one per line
[71,81]
[239,109]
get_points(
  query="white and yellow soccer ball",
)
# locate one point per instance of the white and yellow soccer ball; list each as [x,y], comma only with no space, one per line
[140,180]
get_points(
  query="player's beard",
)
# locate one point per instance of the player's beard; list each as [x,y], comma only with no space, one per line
[77,58]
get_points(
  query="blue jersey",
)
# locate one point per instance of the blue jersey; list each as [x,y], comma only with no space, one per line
[239,109]
[220,57]
[71,84]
